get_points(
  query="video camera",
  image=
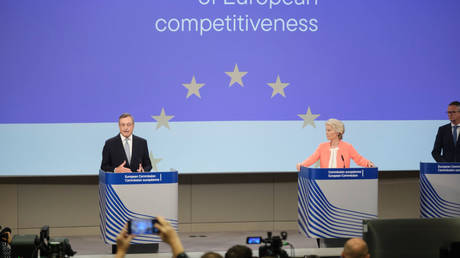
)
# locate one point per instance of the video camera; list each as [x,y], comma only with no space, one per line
[272,245]
[29,246]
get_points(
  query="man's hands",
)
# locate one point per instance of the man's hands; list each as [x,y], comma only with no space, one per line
[169,235]
[7,237]
[123,242]
[10,237]
[122,169]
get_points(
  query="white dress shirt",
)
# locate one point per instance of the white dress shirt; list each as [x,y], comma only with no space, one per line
[130,143]
[333,158]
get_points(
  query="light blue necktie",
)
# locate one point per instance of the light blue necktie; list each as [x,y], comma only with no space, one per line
[455,134]
[128,153]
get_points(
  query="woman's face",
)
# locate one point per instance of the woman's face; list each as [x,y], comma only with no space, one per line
[331,134]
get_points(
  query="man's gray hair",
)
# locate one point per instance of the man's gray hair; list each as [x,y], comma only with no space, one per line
[125,115]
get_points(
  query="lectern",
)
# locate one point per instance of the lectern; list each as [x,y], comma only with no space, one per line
[332,203]
[124,196]
[439,190]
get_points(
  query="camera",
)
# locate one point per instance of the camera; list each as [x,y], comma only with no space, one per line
[272,245]
[142,226]
[32,246]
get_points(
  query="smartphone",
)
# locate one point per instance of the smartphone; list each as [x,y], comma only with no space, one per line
[142,226]
[254,240]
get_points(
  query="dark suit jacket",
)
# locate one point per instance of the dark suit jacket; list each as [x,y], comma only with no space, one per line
[114,154]
[444,149]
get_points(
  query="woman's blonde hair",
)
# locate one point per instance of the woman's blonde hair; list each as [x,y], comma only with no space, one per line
[337,126]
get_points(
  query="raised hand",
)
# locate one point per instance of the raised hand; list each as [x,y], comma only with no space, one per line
[169,235]
[123,242]
[121,168]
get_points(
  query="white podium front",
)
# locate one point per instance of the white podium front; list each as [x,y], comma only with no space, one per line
[439,190]
[124,196]
[332,203]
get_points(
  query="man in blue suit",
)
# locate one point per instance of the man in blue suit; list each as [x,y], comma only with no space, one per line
[126,152]
[447,145]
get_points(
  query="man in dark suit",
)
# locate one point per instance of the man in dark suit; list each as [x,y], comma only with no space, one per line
[447,145]
[126,152]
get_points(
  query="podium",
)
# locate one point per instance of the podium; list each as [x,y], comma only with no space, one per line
[439,190]
[332,203]
[124,196]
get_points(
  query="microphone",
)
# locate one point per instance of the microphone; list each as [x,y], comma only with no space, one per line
[343,160]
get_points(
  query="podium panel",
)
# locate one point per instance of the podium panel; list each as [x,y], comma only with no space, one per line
[332,203]
[124,196]
[439,190]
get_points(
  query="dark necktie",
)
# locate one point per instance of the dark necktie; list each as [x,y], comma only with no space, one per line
[455,134]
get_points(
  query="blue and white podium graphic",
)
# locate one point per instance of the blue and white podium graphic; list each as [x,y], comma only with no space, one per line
[332,203]
[124,196]
[439,190]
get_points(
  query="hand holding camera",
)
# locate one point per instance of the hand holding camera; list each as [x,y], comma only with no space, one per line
[169,235]
[157,225]
[123,241]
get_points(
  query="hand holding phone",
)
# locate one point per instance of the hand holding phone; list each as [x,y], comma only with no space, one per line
[123,240]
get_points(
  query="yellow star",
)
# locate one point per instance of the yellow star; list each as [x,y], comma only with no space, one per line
[278,87]
[154,162]
[237,76]
[308,118]
[162,119]
[193,87]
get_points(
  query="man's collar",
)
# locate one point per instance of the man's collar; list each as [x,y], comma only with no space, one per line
[124,138]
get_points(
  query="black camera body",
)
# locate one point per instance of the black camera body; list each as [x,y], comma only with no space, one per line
[27,246]
[273,246]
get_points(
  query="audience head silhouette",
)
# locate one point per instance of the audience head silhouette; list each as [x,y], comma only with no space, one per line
[239,251]
[355,248]
[211,255]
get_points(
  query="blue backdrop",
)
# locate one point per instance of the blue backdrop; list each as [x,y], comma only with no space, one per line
[68,68]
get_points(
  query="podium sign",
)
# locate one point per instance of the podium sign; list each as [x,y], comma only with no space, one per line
[124,196]
[439,190]
[332,203]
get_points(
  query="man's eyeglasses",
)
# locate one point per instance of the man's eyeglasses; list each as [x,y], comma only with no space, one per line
[452,112]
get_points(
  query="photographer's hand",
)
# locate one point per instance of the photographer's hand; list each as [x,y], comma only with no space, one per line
[169,235]
[6,235]
[123,242]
